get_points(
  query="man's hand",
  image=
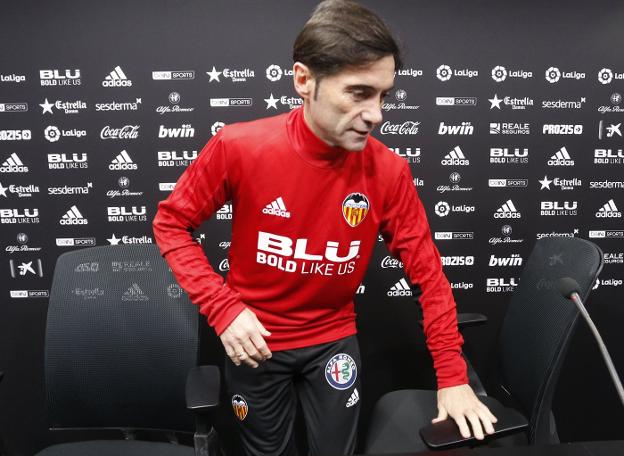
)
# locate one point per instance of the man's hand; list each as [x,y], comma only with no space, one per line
[461,403]
[243,340]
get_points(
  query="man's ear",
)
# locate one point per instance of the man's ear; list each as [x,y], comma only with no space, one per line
[303,80]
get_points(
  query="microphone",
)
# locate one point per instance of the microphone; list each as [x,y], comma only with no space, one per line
[570,289]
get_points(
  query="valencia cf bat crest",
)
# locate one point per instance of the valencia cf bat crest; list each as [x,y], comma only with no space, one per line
[354,208]
[239,404]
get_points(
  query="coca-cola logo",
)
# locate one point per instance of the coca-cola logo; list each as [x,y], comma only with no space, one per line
[391,262]
[224,265]
[408,127]
[126,132]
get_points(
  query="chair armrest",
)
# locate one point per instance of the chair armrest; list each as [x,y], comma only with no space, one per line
[470,319]
[203,384]
[445,434]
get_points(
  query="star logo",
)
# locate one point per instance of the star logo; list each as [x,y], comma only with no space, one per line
[47,106]
[3,190]
[214,74]
[545,183]
[114,240]
[495,102]
[271,102]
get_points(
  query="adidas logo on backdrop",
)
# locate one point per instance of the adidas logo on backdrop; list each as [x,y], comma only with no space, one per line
[116,78]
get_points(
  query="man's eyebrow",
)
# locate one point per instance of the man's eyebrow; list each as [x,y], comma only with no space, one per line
[366,87]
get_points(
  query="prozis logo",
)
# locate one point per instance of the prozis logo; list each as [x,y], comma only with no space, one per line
[60,77]
[275,72]
[125,132]
[291,255]
[126,214]
[500,73]
[225,212]
[68,161]
[445,73]
[458,260]
[116,78]
[500,285]
[466,128]
[608,156]
[562,129]
[185,131]
[607,75]
[411,154]
[239,75]
[409,127]
[13,164]
[167,158]
[505,155]
[608,210]
[554,74]
[19,216]
[15,135]
[565,208]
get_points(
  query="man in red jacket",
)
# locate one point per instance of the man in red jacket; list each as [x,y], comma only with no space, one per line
[311,190]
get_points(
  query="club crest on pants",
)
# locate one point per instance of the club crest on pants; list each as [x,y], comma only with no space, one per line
[239,404]
[341,371]
[354,208]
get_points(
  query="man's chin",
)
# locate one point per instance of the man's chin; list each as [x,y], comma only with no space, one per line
[356,146]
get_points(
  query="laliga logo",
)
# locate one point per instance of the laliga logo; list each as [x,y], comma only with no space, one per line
[275,73]
[444,73]
[605,76]
[442,209]
[553,74]
[214,129]
[52,133]
[499,73]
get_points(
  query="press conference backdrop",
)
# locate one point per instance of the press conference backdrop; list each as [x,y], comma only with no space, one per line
[509,114]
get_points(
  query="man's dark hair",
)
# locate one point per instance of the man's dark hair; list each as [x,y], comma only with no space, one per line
[340,34]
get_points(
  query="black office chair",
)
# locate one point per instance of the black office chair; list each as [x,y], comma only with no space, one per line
[121,353]
[533,340]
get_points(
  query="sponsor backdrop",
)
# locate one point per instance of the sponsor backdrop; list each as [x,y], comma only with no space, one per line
[509,115]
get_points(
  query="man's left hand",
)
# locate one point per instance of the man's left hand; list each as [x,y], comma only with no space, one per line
[461,404]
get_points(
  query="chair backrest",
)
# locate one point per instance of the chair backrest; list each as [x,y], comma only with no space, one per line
[121,337]
[539,323]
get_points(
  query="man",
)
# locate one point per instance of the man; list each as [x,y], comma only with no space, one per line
[311,190]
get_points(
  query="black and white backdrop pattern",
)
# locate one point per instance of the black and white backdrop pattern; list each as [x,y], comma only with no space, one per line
[510,116]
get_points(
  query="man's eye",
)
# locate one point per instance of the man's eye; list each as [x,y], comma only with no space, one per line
[358,94]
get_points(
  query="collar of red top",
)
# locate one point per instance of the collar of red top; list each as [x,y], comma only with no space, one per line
[310,147]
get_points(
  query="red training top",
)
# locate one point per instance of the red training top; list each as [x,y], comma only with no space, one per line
[306,219]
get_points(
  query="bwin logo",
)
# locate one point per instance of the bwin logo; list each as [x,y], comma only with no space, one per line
[401,288]
[465,128]
[514,260]
[609,210]
[185,131]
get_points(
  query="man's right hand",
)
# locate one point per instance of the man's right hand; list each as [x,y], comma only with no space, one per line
[243,340]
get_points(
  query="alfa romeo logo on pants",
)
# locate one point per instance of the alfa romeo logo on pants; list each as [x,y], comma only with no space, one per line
[341,371]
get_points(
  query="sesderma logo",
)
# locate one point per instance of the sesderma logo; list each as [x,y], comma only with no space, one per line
[401,288]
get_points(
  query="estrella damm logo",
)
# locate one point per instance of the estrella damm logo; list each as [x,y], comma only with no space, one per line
[341,371]
[239,404]
[354,208]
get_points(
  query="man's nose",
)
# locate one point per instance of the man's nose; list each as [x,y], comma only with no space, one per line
[372,114]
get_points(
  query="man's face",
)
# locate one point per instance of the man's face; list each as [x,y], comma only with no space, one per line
[347,106]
